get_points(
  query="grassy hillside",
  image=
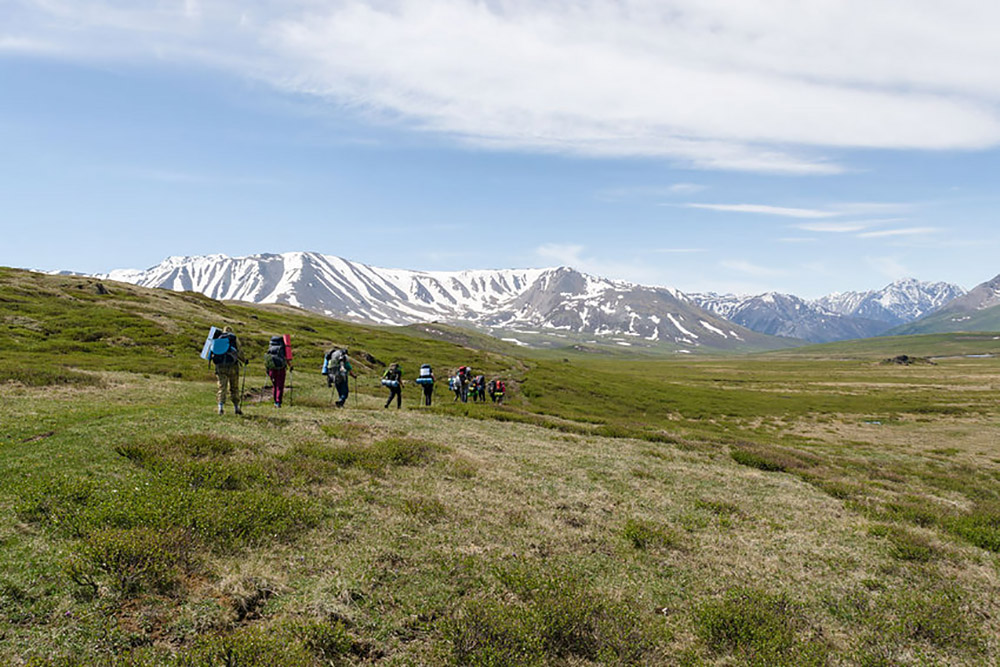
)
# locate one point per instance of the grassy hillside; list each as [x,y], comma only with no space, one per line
[797,510]
[967,343]
[987,319]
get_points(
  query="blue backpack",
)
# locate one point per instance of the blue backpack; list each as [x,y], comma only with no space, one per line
[224,351]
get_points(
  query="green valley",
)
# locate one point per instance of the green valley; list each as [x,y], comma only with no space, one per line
[815,506]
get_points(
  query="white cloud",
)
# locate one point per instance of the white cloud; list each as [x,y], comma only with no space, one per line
[906,231]
[635,191]
[750,269]
[685,188]
[889,267]
[562,254]
[572,255]
[767,210]
[590,77]
[834,227]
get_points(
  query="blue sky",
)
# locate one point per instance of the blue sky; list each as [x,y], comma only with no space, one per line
[704,145]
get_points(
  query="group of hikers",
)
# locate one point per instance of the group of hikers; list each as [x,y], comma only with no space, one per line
[223,350]
[465,385]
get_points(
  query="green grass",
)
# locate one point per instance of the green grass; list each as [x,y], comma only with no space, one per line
[805,508]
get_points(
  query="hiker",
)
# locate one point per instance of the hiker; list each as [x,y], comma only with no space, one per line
[276,363]
[479,388]
[499,391]
[455,385]
[227,357]
[337,368]
[464,374]
[393,379]
[426,380]
[491,389]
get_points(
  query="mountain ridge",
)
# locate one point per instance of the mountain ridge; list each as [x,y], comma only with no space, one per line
[558,302]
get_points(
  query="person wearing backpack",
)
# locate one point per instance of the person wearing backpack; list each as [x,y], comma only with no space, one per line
[500,390]
[276,364]
[464,375]
[426,380]
[393,379]
[479,388]
[227,357]
[337,368]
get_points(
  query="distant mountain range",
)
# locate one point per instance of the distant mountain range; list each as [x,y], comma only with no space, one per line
[977,310]
[558,304]
[564,306]
[838,316]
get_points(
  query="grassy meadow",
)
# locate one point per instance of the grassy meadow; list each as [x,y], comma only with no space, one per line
[811,507]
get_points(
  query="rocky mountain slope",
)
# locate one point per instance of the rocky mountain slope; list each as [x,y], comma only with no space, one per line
[557,302]
[839,316]
[897,303]
[977,310]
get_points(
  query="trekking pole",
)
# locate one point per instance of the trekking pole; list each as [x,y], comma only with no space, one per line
[243,385]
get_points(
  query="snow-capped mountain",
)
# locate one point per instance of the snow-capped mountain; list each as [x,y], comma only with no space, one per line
[977,310]
[838,316]
[555,301]
[787,315]
[899,302]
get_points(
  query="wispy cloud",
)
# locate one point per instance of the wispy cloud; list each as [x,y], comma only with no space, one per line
[798,239]
[566,254]
[685,188]
[575,256]
[593,77]
[679,251]
[905,231]
[767,210]
[874,208]
[890,267]
[640,191]
[833,227]
[751,269]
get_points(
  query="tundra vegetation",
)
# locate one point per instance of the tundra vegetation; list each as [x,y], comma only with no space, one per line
[814,507]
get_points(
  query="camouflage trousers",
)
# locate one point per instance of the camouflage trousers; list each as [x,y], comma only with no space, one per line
[228,378]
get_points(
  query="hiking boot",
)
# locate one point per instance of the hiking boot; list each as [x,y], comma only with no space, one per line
[238,411]
[277,404]
[221,408]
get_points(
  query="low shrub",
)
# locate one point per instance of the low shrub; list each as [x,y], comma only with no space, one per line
[980,527]
[646,534]
[42,376]
[551,618]
[248,647]
[133,560]
[374,458]
[345,430]
[758,628]
[718,507]
[756,460]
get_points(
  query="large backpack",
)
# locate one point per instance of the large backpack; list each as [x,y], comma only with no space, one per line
[274,359]
[426,375]
[335,363]
[224,352]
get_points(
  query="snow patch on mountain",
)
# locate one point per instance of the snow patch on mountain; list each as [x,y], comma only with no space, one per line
[551,300]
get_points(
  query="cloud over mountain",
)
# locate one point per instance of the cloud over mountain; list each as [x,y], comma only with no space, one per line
[595,77]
